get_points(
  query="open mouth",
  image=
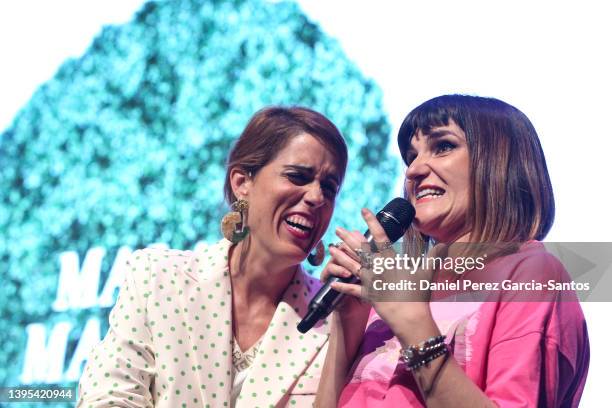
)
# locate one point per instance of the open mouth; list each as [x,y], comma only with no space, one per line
[299,226]
[429,193]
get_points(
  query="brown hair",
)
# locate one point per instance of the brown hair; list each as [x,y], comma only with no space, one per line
[268,132]
[511,196]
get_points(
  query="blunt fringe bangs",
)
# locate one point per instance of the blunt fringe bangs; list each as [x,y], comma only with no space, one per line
[511,197]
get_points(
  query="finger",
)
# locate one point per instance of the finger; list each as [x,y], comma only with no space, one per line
[333,269]
[347,288]
[353,239]
[343,246]
[325,274]
[344,260]
[352,242]
[340,271]
[380,242]
[377,231]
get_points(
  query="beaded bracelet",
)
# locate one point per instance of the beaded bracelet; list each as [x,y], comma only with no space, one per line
[424,352]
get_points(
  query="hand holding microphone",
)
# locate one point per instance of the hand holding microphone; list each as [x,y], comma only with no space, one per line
[393,221]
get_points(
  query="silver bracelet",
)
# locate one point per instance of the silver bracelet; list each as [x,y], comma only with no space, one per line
[415,356]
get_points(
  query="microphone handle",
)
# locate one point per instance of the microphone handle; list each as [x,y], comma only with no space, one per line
[326,298]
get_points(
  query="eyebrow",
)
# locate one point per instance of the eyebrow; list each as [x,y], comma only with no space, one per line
[310,170]
[436,134]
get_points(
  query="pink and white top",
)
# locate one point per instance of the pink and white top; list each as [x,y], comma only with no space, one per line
[520,353]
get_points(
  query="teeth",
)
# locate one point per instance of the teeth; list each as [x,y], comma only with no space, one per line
[429,191]
[300,221]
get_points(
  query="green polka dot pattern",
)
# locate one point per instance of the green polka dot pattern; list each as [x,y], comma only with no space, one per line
[126,144]
[174,349]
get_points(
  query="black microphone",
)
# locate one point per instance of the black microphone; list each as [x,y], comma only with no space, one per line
[395,218]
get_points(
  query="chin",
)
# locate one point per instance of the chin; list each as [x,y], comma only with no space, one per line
[294,252]
[426,225]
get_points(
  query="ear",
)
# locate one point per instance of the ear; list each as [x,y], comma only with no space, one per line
[240,182]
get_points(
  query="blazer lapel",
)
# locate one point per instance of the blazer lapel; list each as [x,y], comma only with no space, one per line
[284,353]
[213,337]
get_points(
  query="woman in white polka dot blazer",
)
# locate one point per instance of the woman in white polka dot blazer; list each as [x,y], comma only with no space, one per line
[216,327]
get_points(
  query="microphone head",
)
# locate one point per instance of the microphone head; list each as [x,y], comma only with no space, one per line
[396,217]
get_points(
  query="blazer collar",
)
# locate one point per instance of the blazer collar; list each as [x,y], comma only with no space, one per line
[216,290]
[284,353]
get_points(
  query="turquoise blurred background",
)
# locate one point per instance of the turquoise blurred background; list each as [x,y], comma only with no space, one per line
[125,147]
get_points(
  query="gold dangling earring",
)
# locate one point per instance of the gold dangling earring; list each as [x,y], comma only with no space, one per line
[234,223]
[316,258]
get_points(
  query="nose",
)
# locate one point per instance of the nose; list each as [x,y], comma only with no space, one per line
[314,196]
[418,169]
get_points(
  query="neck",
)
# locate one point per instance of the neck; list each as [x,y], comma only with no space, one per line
[462,235]
[256,275]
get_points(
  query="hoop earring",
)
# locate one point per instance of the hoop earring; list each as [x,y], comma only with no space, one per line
[234,223]
[316,258]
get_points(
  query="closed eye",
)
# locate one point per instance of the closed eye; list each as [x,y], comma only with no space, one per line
[330,190]
[298,179]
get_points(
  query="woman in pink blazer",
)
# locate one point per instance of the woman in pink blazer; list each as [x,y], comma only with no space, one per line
[216,327]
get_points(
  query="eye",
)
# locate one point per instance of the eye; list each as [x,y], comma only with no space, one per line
[444,146]
[298,179]
[330,190]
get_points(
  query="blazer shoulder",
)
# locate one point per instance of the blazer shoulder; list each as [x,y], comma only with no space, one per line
[310,283]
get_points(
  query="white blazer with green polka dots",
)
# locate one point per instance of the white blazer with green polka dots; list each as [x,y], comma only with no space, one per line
[169,341]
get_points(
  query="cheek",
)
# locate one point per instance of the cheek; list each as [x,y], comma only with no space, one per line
[460,178]
[326,215]
[461,203]
[460,192]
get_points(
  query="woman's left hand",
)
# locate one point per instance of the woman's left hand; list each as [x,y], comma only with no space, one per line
[397,310]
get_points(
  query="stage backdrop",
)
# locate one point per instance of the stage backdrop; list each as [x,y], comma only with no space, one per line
[125,147]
